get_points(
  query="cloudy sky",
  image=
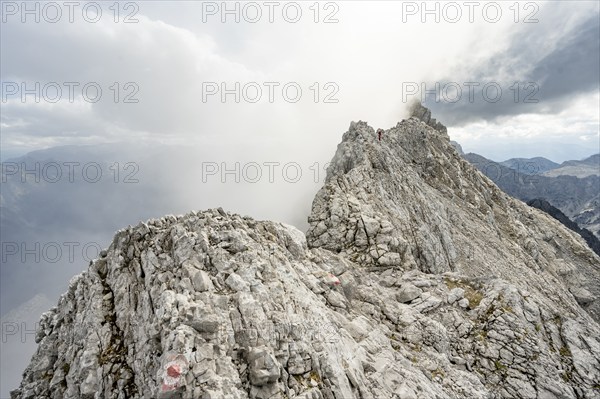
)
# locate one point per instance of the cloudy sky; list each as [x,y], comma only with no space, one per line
[512,80]
[183,90]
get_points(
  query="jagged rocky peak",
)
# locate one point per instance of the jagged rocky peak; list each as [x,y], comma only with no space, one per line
[457,147]
[418,278]
[419,111]
[410,200]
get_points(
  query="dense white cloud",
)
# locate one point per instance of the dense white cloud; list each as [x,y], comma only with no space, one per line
[569,134]
[171,54]
[368,58]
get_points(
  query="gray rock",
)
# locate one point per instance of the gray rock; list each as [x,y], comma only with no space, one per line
[364,305]
[582,296]
[201,281]
[263,367]
[408,292]
[456,294]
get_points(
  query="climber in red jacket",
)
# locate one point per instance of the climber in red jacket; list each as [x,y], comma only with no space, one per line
[379,133]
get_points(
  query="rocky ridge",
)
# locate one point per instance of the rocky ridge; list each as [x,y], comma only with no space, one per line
[536,164]
[578,198]
[586,167]
[587,235]
[418,278]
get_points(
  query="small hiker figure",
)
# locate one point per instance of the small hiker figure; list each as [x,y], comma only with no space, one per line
[379,133]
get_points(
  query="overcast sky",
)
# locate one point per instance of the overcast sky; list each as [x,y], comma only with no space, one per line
[369,57]
[508,81]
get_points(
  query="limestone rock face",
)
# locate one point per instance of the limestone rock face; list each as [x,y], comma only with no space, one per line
[417,110]
[410,201]
[418,278]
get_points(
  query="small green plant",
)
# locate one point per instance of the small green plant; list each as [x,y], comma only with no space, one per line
[482,335]
[567,376]
[315,376]
[471,292]
[499,366]
[508,309]
[564,351]
[438,373]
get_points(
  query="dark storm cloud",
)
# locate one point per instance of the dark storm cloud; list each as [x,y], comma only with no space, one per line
[574,67]
[545,85]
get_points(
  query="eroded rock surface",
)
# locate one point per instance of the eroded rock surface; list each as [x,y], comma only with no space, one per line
[418,278]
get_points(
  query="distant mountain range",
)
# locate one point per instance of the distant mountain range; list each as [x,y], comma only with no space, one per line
[573,187]
[586,167]
[589,166]
[537,164]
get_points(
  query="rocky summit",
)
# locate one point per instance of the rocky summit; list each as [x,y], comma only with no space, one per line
[418,278]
